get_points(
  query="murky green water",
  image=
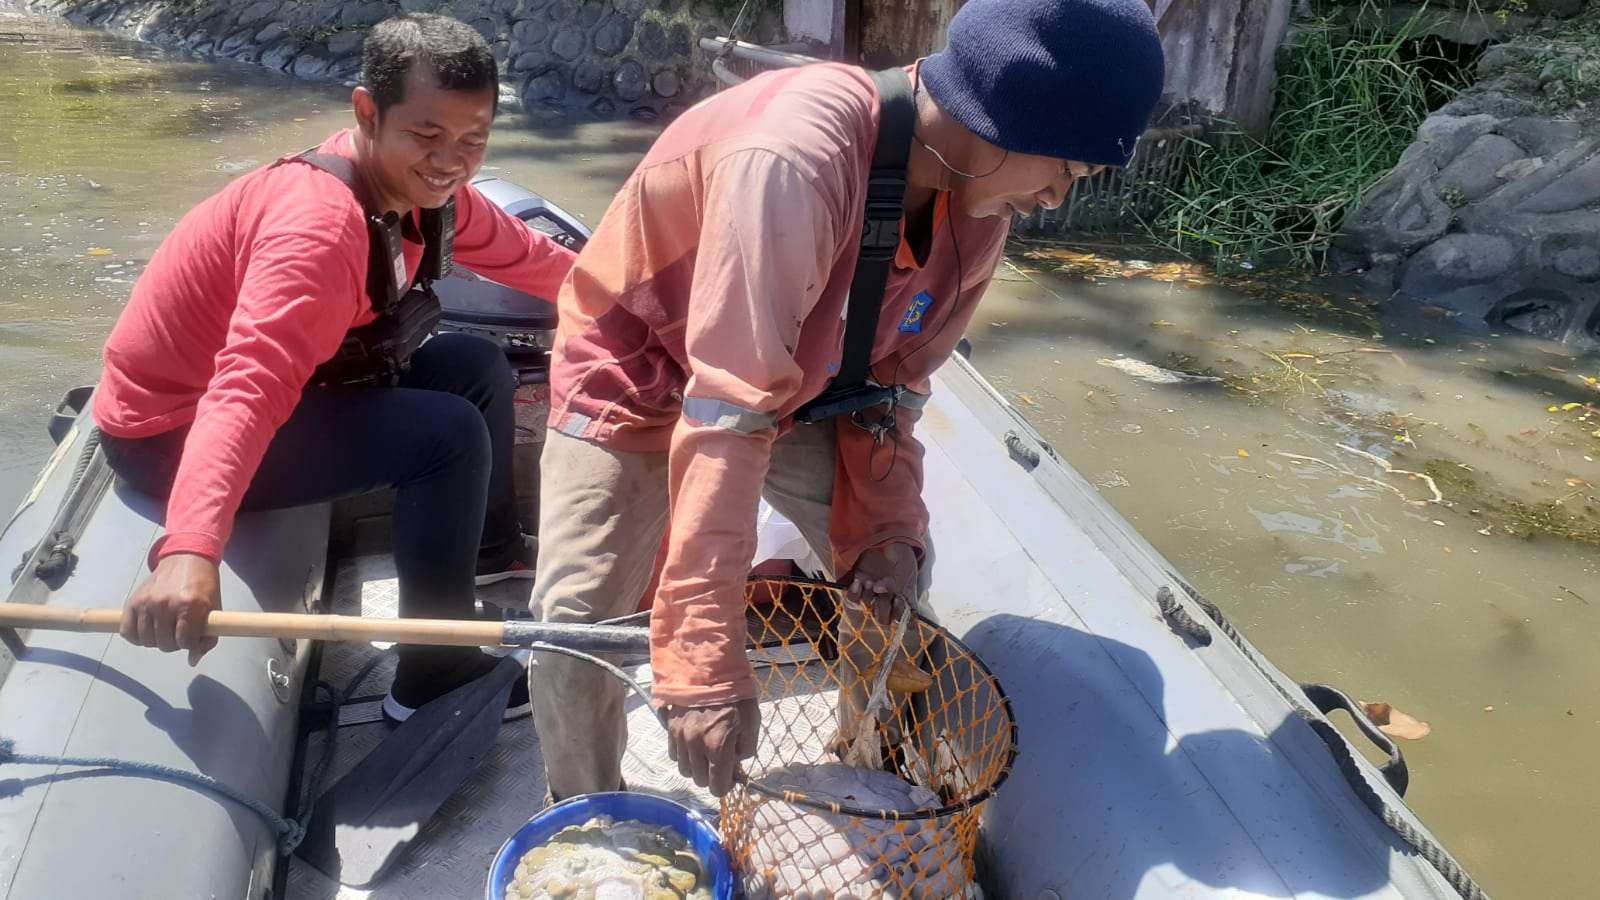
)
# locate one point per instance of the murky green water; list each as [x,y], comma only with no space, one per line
[1327,565]
[1331,567]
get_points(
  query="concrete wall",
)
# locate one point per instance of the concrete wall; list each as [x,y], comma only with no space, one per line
[817,22]
[608,57]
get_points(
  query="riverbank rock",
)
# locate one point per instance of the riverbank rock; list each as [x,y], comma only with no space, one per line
[600,57]
[1494,211]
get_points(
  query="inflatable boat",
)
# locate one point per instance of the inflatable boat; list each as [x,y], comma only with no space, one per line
[1160,754]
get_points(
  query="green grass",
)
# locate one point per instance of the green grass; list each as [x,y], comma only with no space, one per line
[1348,103]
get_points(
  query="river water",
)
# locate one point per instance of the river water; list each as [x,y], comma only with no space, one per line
[1269,487]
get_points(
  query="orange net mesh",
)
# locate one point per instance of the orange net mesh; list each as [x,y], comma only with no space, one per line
[902,819]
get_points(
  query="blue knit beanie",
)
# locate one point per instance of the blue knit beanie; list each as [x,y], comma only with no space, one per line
[1070,79]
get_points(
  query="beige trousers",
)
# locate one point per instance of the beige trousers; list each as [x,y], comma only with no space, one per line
[602,516]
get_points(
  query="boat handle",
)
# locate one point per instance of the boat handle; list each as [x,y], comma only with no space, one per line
[1327,698]
[67,411]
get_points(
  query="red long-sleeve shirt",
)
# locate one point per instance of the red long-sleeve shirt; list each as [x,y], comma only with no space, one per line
[253,289]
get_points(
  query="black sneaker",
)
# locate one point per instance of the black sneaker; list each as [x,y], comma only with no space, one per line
[404,699]
[516,562]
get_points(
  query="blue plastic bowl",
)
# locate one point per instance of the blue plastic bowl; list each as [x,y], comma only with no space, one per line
[647,808]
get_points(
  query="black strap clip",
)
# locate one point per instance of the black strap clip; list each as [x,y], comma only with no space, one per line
[853,402]
[880,226]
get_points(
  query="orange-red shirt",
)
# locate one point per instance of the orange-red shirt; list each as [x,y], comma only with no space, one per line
[709,305]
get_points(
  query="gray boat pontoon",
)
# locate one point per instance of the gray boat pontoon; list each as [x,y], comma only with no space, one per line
[1159,754]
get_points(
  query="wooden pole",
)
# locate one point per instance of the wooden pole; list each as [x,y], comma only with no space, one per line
[302,626]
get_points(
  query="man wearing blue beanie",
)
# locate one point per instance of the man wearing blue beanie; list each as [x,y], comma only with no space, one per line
[719,343]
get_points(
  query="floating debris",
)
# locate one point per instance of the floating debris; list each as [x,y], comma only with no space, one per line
[1382,463]
[1395,723]
[1154,374]
[1094,266]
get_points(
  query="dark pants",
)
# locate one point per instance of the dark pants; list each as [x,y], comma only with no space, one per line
[442,439]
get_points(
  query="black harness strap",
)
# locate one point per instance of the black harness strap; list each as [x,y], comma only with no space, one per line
[850,390]
[376,353]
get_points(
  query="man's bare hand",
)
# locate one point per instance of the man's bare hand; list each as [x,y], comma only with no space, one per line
[884,575]
[708,742]
[170,608]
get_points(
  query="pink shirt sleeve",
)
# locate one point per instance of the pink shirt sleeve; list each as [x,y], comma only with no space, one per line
[767,246]
[301,291]
[499,246]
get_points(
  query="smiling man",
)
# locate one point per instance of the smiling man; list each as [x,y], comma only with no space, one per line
[709,313]
[269,357]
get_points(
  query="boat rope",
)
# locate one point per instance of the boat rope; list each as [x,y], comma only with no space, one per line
[1179,619]
[330,736]
[52,559]
[289,832]
[1424,845]
[85,456]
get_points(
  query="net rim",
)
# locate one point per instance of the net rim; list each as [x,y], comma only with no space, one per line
[947,810]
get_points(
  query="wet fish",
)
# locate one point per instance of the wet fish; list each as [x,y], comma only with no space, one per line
[800,852]
[609,859]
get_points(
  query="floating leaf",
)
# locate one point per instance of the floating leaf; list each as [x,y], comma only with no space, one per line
[1161,323]
[1569,407]
[1395,723]
[1027,400]
[1243,453]
[1488,709]
[1528,432]
[99,251]
[1552,409]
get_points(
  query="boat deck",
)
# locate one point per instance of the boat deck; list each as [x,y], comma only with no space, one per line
[452,854]
[1148,767]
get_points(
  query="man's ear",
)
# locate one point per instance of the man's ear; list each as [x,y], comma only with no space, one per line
[366,107]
